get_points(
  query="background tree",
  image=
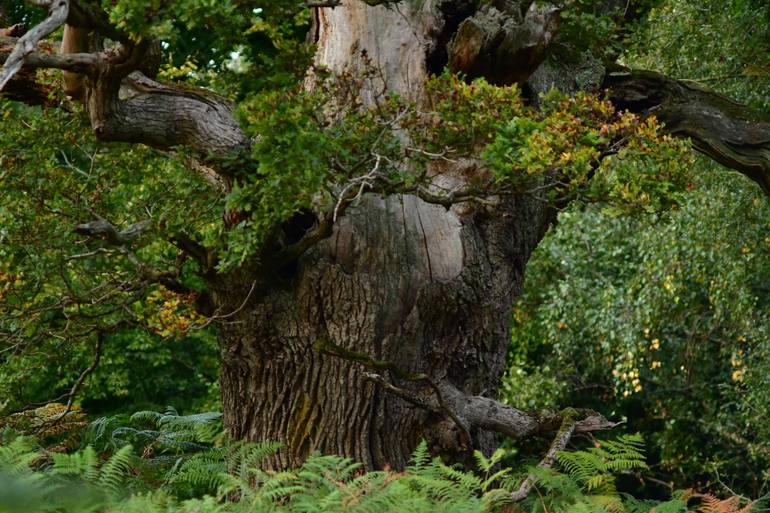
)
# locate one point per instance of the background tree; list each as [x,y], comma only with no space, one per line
[263,222]
[667,327]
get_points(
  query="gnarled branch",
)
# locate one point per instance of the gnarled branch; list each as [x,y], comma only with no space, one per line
[123,104]
[728,132]
[104,229]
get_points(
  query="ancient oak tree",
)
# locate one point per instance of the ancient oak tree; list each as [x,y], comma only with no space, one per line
[375,313]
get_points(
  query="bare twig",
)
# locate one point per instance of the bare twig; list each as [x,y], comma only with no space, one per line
[86,372]
[245,301]
[79,383]
[361,182]
[402,393]
[215,317]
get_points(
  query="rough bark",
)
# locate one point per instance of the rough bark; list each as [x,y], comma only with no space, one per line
[24,86]
[502,45]
[426,289]
[145,113]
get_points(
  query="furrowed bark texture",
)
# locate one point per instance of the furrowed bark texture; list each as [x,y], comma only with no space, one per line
[165,117]
[425,288]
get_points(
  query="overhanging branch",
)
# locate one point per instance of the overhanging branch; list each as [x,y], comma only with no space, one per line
[76,62]
[106,230]
[728,132]
[120,239]
[123,104]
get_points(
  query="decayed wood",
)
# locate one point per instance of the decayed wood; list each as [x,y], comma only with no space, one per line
[17,30]
[503,46]
[74,40]
[396,42]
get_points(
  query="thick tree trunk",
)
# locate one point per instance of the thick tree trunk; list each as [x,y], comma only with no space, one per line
[426,289]
[422,287]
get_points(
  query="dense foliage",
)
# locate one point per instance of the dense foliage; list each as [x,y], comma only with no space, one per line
[66,295]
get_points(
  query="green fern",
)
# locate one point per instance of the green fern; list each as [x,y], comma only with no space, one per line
[487,466]
[219,471]
[34,480]
[587,480]
[231,479]
[83,464]
[594,468]
[420,458]
[113,472]
[160,433]
[17,456]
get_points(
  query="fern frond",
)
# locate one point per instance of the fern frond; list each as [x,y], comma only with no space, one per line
[83,464]
[114,471]
[147,417]
[420,457]
[485,464]
[498,476]
[495,499]
[465,480]
[712,504]
[17,456]
[672,506]
[634,505]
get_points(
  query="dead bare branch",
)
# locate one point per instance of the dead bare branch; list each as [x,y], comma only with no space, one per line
[469,411]
[57,15]
[559,444]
